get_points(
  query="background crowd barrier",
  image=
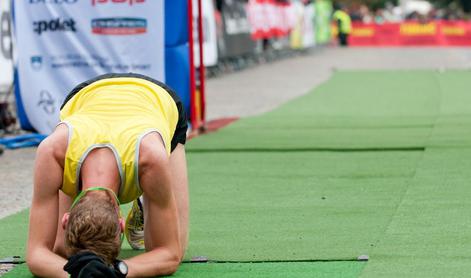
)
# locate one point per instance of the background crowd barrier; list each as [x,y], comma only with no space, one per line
[247,29]
[251,31]
[435,33]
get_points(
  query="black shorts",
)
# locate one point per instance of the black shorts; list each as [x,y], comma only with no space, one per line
[182,125]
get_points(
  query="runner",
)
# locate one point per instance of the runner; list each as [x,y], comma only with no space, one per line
[121,136]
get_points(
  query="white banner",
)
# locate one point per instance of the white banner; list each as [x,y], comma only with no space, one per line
[303,35]
[210,48]
[6,67]
[61,43]
[309,36]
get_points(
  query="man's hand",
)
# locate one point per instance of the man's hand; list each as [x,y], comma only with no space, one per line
[89,265]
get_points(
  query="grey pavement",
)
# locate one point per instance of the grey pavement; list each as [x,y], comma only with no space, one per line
[253,91]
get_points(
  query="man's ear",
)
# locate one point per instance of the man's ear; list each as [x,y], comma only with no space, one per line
[65,220]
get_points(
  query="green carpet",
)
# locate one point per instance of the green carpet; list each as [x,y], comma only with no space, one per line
[353,110]
[323,206]
[14,232]
[429,235]
[452,127]
[372,163]
[256,270]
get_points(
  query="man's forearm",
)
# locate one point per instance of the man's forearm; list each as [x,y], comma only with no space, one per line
[158,262]
[44,263]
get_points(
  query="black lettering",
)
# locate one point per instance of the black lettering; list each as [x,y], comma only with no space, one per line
[72,25]
[54,25]
[40,27]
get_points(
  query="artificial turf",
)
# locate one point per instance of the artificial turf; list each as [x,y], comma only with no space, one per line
[13,234]
[429,236]
[354,110]
[256,270]
[372,163]
[312,205]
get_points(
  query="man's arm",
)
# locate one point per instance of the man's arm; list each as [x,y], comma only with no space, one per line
[41,259]
[161,240]
[161,218]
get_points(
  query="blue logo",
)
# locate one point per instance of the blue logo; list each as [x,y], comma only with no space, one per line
[119,26]
[36,62]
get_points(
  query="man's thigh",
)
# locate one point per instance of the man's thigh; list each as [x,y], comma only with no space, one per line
[179,188]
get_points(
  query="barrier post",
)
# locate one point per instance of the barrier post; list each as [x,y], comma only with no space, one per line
[197,96]
[201,69]
[193,109]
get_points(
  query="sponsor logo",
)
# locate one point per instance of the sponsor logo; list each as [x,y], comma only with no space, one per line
[53,1]
[129,2]
[36,62]
[454,31]
[47,102]
[363,32]
[55,25]
[417,29]
[119,26]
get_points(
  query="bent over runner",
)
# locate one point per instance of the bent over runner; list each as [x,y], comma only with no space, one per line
[121,139]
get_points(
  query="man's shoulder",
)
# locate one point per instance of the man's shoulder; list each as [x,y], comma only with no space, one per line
[56,143]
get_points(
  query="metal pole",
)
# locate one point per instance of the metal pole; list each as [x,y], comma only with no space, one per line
[193,116]
[201,69]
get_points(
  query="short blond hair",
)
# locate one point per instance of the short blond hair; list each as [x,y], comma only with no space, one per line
[93,226]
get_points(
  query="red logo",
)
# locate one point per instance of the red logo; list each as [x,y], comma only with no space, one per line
[130,2]
[119,26]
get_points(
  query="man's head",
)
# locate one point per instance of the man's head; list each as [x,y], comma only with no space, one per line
[94,224]
[340,6]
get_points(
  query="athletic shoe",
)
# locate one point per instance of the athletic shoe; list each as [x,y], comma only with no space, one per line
[134,229]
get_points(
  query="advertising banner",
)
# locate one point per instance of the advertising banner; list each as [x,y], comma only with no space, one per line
[309,33]
[234,38]
[303,35]
[455,33]
[271,19]
[436,33]
[6,67]
[323,9]
[61,43]
[210,47]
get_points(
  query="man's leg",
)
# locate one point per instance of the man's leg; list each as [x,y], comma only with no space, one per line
[179,180]
[180,189]
[343,39]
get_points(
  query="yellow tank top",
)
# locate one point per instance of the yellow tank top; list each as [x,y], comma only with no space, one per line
[116,113]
